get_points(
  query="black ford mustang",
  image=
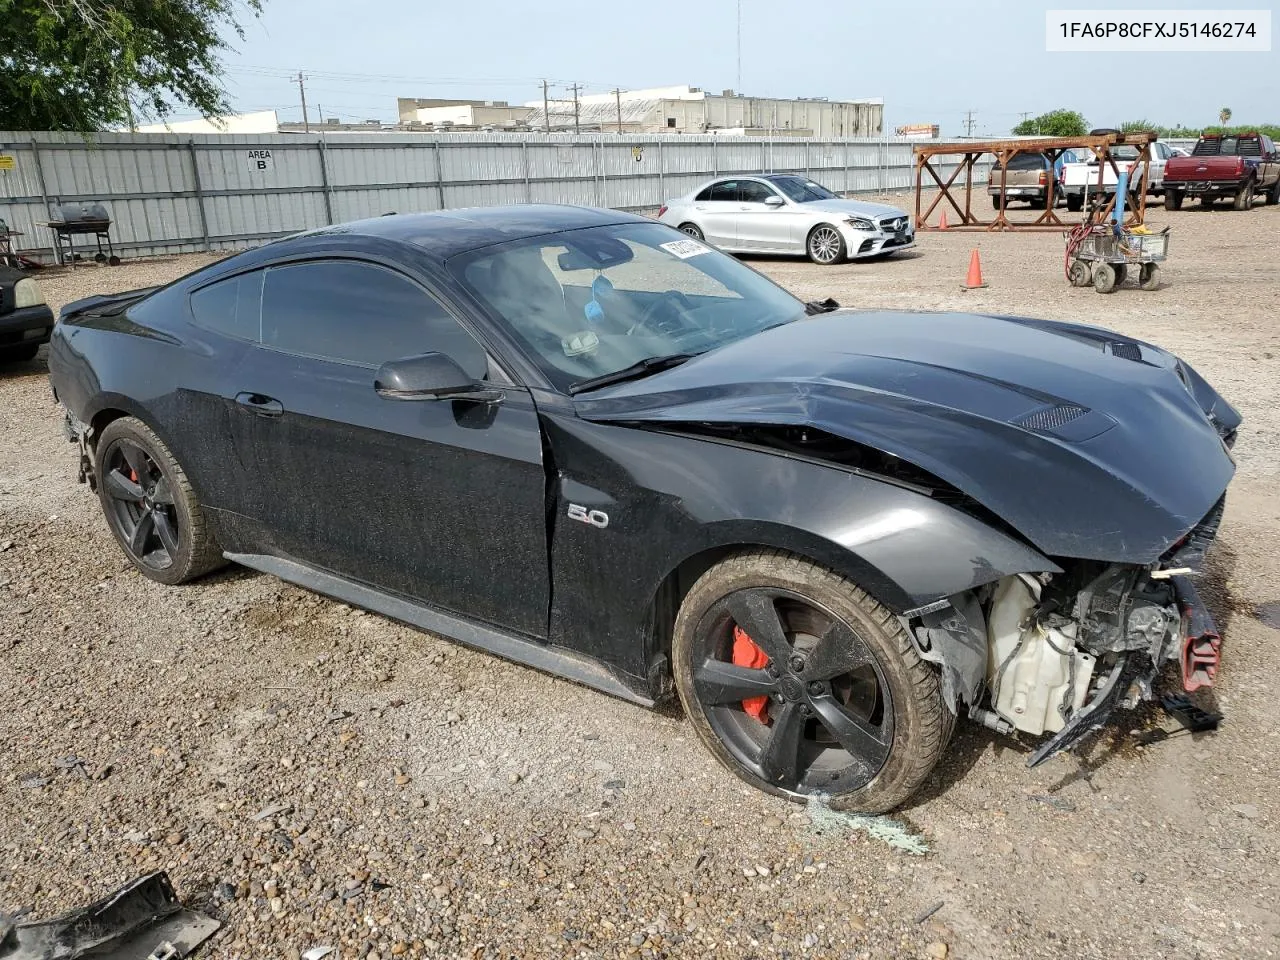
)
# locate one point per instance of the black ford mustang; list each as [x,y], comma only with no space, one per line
[583,441]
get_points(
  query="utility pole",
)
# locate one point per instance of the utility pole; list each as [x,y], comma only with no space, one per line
[618,94]
[577,126]
[546,106]
[302,92]
[739,47]
[968,124]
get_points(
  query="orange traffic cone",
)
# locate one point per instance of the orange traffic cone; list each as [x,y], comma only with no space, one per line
[942,221]
[974,280]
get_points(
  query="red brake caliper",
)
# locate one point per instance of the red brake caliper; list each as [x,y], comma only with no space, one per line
[747,654]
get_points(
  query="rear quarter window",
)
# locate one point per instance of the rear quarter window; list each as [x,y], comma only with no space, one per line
[231,307]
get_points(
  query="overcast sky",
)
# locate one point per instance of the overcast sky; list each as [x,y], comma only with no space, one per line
[931,60]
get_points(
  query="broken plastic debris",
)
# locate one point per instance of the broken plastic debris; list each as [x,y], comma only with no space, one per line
[892,832]
[273,810]
[141,919]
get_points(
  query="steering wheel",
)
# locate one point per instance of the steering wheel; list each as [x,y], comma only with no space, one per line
[669,326]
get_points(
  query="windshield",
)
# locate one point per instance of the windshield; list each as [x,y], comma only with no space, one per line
[591,302]
[801,190]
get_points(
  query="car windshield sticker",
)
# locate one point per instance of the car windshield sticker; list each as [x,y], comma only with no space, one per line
[582,342]
[684,249]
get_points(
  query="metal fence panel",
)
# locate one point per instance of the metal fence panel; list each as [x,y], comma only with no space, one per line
[170,193]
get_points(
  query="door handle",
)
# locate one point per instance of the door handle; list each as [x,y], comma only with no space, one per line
[263,406]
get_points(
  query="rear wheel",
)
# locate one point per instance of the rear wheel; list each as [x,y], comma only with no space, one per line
[1243,199]
[1149,276]
[801,684]
[1075,202]
[1078,274]
[1173,200]
[692,230]
[997,200]
[27,351]
[825,246]
[150,506]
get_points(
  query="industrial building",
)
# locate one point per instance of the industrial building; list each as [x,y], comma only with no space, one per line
[470,114]
[685,109]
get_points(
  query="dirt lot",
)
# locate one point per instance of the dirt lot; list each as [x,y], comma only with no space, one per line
[435,801]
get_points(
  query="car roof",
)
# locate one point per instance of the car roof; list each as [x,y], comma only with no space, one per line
[445,233]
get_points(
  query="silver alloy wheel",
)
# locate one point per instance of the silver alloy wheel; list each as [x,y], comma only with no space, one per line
[692,230]
[824,245]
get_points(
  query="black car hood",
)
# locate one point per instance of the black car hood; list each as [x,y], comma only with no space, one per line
[1090,444]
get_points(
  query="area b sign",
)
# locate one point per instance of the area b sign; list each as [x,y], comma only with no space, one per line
[261,159]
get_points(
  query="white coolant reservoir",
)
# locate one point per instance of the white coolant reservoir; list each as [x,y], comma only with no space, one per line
[1032,672]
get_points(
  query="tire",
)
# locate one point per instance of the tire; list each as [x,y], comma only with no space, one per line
[1273,195]
[1105,277]
[825,245]
[1075,202]
[1243,199]
[1079,274]
[1173,200]
[998,201]
[1149,276]
[20,354]
[891,759]
[128,452]
[1206,201]
[692,230]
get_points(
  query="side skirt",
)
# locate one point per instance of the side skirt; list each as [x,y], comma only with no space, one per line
[509,646]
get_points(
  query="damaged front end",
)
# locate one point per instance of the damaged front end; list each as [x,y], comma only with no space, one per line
[1059,653]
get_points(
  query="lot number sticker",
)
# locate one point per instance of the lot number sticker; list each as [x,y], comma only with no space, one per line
[261,159]
[684,249]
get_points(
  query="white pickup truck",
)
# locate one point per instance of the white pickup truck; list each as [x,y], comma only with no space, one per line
[1078,180]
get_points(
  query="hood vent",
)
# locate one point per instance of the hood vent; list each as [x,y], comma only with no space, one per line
[1126,351]
[1048,419]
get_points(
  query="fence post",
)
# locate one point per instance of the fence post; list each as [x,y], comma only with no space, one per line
[847,188]
[662,171]
[324,178]
[604,175]
[435,147]
[195,175]
[528,183]
[44,192]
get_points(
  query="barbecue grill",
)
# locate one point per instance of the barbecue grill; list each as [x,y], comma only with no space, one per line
[71,220]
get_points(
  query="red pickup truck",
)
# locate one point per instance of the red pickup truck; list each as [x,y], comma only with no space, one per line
[1225,165]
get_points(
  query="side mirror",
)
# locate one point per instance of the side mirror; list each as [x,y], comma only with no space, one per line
[774,201]
[431,376]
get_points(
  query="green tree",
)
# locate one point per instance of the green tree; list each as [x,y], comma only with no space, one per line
[83,65]
[1224,116]
[1055,123]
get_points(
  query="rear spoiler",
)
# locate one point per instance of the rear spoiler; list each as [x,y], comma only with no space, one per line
[95,304]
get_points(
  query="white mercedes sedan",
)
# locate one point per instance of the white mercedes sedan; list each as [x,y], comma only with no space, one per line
[788,213]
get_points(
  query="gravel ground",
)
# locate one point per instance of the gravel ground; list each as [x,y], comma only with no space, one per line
[314,775]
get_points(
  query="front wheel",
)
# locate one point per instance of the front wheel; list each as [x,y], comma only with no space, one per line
[1273,195]
[1173,200]
[692,230]
[1078,274]
[150,505]
[1105,277]
[825,245]
[802,685]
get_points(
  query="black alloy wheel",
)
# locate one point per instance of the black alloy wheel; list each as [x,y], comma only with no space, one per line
[150,505]
[142,509]
[803,685]
[829,722]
